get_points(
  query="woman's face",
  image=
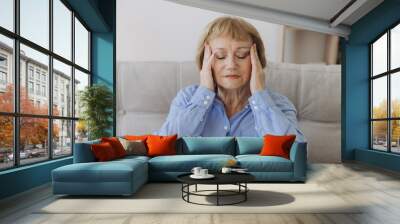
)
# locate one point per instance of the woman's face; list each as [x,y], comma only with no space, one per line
[232,64]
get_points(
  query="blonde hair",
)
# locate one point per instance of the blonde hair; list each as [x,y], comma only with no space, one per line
[237,29]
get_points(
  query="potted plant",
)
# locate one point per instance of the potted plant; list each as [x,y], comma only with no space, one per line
[96,102]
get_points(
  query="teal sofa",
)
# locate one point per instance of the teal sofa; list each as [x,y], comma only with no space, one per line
[125,176]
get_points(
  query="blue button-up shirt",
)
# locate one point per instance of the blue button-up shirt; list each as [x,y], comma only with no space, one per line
[196,111]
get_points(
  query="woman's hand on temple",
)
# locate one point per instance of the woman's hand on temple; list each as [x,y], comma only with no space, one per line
[206,78]
[257,79]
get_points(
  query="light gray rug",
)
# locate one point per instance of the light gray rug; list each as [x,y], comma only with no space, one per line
[166,198]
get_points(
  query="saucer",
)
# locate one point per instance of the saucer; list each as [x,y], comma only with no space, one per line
[208,176]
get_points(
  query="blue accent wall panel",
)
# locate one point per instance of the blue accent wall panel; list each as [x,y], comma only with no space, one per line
[103,62]
[355,78]
[356,120]
[102,58]
[24,178]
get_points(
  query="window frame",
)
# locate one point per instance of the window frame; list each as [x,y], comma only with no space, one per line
[388,74]
[16,115]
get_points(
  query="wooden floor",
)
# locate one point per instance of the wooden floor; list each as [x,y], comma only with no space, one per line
[379,189]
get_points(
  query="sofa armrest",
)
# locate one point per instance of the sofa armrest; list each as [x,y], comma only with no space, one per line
[298,155]
[83,152]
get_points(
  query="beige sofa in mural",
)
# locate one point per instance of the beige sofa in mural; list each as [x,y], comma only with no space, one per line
[146,89]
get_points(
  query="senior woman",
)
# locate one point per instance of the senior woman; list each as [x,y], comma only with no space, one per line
[232,99]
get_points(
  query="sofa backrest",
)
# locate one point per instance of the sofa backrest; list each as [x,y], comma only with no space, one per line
[206,145]
[252,145]
[145,91]
[83,152]
[249,145]
[191,146]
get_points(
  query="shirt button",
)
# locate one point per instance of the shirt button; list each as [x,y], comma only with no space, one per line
[205,102]
[207,97]
[254,102]
[255,107]
[226,128]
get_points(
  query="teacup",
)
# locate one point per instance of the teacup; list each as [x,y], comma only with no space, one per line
[226,170]
[203,172]
[196,170]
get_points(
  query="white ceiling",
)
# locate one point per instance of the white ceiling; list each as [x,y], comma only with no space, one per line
[319,9]
[315,15]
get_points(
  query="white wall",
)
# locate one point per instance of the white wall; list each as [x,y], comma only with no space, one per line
[158,30]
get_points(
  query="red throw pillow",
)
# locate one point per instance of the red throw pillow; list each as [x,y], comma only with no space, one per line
[116,145]
[161,145]
[277,145]
[103,151]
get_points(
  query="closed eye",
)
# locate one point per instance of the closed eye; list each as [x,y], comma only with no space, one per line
[240,56]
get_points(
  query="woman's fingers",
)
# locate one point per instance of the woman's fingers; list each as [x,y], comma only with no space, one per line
[210,60]
[206,78]
[252,56]
[207,52]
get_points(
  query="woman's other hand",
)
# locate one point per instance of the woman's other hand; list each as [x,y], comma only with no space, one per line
[257,79]
[206,78]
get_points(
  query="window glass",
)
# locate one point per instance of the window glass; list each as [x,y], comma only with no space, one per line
[62,29]
[81,81]
[81,131]
[6,74]
[395,136]
[379,100]
[395,47]
[379,56]
[379,135]
[62,137]
[395,95]
[39,62]
[6,142]
[7,14]
[34,21]
[81,45]
[33,140]
[62,94]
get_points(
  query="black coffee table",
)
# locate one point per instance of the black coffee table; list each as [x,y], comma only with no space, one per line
[238,179]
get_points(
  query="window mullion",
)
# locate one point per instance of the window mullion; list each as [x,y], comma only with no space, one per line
[50,81]
[16,70]
[389,76]
[371,89]
[73,82]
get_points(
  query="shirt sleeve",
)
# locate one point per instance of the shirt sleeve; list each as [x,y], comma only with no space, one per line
[274,116]
[188,112]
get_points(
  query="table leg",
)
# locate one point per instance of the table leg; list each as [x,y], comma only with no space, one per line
[245,193]
[188,189]
[217,194]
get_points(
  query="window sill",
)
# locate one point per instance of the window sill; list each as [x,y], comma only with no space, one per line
[26,167]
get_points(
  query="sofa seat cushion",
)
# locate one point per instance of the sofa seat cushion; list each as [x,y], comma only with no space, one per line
[133,158]
[112,171]
[257,163]
[185,163]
